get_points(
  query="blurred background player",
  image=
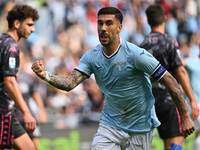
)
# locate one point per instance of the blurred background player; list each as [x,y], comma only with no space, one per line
[28,85]
[165,49]
[21,23]
[191,61]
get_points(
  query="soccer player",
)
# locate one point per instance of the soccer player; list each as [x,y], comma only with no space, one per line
[122,72]
[164,48]
[192,63]
[29,88]
[21,21]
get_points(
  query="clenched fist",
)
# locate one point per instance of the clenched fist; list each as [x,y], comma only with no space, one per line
[38,68]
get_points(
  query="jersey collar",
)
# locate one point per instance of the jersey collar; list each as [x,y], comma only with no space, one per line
[116,51]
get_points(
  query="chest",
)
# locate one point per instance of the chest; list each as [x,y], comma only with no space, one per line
[116,68]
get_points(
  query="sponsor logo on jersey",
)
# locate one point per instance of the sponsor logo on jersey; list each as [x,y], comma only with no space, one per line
[12,62]
[142,52]
[12,49]
[97,67]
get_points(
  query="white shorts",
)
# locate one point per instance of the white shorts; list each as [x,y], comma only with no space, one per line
[108,138]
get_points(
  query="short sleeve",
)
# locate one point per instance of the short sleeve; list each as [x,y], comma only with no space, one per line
[10,61]
[84,65]
[145,61]
[149,64]
[174,57]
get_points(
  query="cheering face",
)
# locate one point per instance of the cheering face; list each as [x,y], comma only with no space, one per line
[108,29]
[26,28]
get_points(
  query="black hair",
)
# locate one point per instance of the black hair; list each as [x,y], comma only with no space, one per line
[111,10]
[21,12]
[155,15]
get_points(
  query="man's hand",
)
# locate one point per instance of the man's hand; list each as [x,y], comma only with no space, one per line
[30,123]
[195,110]
[187,125]
[38,68]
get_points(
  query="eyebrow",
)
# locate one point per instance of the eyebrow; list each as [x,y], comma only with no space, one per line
[99,20]
[31,24]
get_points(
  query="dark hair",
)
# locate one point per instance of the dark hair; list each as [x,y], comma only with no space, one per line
[111,10]
[155,15]
[21,12]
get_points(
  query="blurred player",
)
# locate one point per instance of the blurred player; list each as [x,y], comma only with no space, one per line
[29,89]
[122,72]
[21,23]
[164,49]
[192,63]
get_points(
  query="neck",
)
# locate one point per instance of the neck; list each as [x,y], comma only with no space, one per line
[110,49]
[13,34]
[159,28]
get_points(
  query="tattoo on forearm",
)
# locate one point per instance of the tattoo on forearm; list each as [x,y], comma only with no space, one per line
[68,82]
[176,94]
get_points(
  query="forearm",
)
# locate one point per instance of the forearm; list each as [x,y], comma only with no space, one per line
[62,82]
[176,93]
[184,80]
[15,93]
[38,100]
[68,82]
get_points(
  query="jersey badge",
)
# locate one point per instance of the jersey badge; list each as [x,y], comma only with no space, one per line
[119,64]
[12,62]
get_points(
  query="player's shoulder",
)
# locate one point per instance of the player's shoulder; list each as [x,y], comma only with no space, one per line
[170,38]
[131,47]
[7,40]
[128,45]
[94,52]
[96,49]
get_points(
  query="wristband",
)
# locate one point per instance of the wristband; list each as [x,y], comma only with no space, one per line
[47,76]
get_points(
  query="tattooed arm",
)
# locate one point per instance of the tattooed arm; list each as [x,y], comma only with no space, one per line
[175,92]
[66,83]
[183,77]
[178,98]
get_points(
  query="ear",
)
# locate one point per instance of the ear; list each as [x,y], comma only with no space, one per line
[16,24]
[119,28]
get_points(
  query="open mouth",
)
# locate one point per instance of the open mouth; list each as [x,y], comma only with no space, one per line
[104,36]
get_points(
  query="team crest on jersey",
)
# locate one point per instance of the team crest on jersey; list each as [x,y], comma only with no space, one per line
[12,62]
[119,64]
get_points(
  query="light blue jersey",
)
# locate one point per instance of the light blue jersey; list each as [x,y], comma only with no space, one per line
[192,67]
[124,80]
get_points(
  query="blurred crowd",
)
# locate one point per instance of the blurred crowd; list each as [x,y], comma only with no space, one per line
[68,28]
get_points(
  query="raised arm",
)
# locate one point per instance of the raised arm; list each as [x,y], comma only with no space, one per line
[178,98]
[66,83]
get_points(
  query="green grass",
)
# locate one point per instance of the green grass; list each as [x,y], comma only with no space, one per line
[73,142]
[157,143]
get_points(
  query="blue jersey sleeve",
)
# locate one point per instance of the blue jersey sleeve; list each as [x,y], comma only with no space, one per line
[149,64]
[84,65]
